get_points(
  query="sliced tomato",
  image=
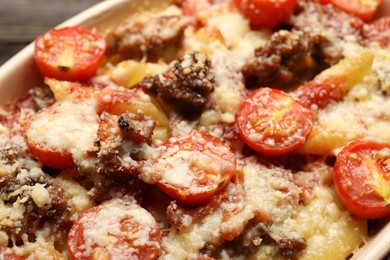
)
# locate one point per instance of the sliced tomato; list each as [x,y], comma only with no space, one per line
[321,92]
[116,229]
[378,31]
[54,133]
[194,166]
[53,156]
[69,53]
[266,13]
[362,178]
[272,123]
[364,9]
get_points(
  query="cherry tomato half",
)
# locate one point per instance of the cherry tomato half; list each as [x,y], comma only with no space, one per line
[69,53]
[266,13]
[54,156]
[272,123]
[364,9]
[362,178]
[192,167]
[54,133]
[116,229]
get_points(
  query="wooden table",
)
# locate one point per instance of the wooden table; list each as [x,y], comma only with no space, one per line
[22,20]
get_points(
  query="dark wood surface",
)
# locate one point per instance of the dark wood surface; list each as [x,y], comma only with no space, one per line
[22,20]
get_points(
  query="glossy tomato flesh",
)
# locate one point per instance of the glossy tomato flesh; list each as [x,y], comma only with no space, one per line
[69,53]
[362,178]
[272,123]
[364,9]
[266,13]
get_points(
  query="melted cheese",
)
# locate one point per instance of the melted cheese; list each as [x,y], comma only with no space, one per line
[67,126]
[271,191]
[78,195]
[182,166]
[40,195]
[226,37]
[117,219]
[345,121]
[324,222]
[228,81]
[188,243]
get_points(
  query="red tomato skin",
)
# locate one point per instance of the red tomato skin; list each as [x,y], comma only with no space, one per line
[351,180]
[266,13]
[378,31]
[320,92]
[185,142]
[189,198]
[56,159]
[51,158]
[76,240]
[358,8]
[66,42]
[262,101]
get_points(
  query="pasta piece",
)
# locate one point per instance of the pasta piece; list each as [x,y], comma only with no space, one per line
[77,194]
[129,72]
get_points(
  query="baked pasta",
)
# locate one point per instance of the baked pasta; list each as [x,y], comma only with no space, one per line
[202,130]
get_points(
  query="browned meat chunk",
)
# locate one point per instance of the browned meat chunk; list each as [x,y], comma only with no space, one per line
[121,142]
[109,186]
[32,195]
[290,246]
[225,206]
[258,227]
[8,156]
[287,59]
[332,25]
[144,35]
[137,127]
[186,85]
[41,97]
[292,57]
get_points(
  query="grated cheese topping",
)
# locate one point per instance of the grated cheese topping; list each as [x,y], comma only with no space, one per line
[66,127]
[272,208]
[115,220]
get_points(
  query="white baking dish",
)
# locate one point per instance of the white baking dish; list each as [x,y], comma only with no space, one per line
[20,73]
